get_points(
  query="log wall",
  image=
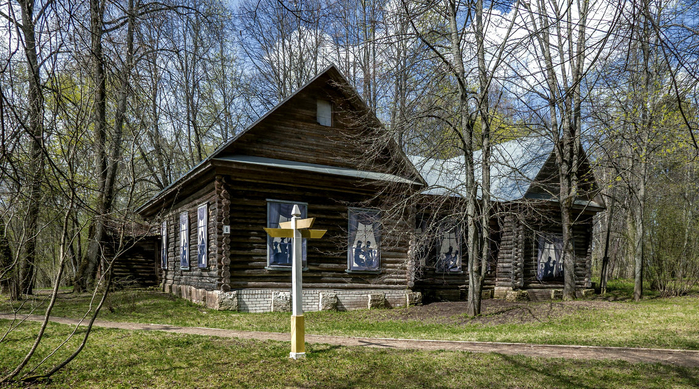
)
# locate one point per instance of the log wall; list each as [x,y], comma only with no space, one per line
[326,257]
[582,233]
[206,278]
[137,265]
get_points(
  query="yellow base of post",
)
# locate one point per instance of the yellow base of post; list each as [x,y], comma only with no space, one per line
[298,338]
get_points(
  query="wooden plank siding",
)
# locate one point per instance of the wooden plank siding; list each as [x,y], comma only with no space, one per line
[551,223]
[436,285]
[205,278]
[136,263]
[326,257]
[508,268]
[291,132]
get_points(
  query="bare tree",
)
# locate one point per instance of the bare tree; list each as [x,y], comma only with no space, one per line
[468,125]
[286,45]
[565,51]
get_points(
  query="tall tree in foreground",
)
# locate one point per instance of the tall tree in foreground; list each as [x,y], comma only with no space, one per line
[34,127]
[567,41]
[455,32]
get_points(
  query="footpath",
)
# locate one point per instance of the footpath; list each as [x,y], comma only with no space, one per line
[685,358]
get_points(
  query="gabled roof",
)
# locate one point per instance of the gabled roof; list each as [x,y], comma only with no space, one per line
[515,165]
[315,168]
[227,150]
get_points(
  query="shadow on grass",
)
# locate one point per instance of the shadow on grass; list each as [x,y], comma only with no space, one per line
[627,376]
[323,348]
[557,379]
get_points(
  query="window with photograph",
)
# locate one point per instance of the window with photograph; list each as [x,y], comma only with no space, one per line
[550,257]
[163,244]
[364,230]
[202,241]
[279,250]
[449,248]
[184,241]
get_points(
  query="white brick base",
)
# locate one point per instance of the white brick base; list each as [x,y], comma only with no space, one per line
[268,300]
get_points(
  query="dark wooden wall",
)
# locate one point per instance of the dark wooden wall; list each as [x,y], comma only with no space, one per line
[582,232]
[509,259]
[136,266]
[437,285]
[326,257]
[207,278]
[517,262]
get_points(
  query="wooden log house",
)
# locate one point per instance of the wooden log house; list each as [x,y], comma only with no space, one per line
[309,151]
[526,230]
[306,151]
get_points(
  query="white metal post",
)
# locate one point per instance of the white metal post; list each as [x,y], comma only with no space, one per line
[298,346]
[297,259]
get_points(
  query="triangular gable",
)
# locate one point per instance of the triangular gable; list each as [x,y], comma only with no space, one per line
[546,183]
[290,131]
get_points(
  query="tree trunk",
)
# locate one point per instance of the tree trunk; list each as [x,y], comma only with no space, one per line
[6,262]
[88,266]
[108,163]
[605,258]
[646,123]
[36,161]
[477,277]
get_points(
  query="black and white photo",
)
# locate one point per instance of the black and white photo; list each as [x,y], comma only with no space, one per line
[364,252]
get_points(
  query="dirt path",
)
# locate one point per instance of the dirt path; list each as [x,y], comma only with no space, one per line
[684,358]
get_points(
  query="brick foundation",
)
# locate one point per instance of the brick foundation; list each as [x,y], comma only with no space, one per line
[278,300]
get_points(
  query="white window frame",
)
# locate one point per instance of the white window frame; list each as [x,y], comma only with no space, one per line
[324,113]
[205,263]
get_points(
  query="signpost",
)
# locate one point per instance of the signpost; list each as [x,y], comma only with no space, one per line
[296,229]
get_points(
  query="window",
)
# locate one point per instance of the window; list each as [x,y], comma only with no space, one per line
[163,244]
[279,250]
[448,249]
[202,243]
[324,113]
[184,241]
[364,240]
[550,258]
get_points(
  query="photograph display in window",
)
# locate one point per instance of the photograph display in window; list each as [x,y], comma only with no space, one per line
[364,240]
[424,250]
[550,258]
[448,250]
[202,249]
[163,244]
[279,250]
[184,241]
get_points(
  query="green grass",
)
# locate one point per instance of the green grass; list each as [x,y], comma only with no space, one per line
[126,359]
[653,322]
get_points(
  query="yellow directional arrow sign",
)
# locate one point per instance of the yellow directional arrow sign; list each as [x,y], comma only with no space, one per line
[289,233]
[280,232]
[301,223]
[313,234]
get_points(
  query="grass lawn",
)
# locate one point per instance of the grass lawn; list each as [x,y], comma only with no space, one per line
[653,322]
[125,359]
